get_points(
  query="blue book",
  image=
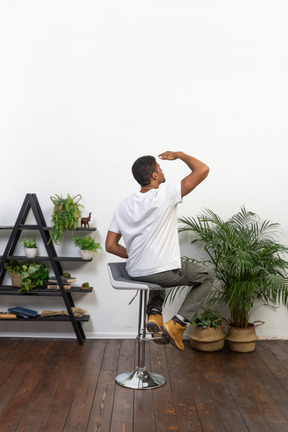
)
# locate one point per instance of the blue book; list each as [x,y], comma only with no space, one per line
[23,312]
[21,315]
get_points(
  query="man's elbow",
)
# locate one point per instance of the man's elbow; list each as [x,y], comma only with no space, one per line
[108,248]
[206,171]
[108,245]
[203,173]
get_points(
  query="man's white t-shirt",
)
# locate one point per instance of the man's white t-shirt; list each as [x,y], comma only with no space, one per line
[148,225]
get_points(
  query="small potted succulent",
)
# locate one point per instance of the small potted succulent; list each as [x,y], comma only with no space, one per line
[85,286]
[207,333]
[87,246]
[30,247]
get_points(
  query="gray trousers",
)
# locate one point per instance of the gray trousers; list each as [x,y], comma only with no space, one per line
[199,277]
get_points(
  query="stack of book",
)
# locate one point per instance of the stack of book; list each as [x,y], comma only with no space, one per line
[53,283]
[22,312]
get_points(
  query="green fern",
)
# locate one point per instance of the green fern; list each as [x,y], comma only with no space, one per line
[66,214]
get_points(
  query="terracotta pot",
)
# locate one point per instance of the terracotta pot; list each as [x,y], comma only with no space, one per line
[209,340]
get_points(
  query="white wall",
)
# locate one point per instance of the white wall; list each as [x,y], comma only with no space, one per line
[88,86]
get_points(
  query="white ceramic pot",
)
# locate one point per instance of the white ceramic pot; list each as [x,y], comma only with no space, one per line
[86,255]
[30,252]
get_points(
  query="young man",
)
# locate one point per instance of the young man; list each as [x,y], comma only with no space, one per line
[147,222]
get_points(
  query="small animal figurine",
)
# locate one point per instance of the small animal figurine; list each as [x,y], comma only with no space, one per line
[85,221]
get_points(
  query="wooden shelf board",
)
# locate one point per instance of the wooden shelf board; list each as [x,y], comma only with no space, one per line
[37,228]
[38,318]
[45,258]
[10,290]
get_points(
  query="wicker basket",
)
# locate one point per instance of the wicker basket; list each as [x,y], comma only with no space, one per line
[209,340]
[16,280]
[242,340]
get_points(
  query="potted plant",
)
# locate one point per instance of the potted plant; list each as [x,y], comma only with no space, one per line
[66,214]
[15,270]
[33,275]
[87,246]
[85,286]
[207,333]
[249,264]
[30,247]
[30,275]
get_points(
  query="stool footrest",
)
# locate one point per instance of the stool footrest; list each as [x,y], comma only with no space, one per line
[140,379]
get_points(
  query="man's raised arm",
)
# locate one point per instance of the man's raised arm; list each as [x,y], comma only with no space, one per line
[199,170]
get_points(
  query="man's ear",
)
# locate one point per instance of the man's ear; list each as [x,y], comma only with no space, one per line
[154,175]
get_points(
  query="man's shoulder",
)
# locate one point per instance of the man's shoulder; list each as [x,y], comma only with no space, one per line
[128,199]
[170,186]
[172,191]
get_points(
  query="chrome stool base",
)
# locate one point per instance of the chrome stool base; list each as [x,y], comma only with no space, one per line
[140,379]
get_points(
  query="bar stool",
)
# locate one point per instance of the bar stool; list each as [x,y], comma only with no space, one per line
[139,379]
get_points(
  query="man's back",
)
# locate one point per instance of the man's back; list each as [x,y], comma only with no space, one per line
[148,224]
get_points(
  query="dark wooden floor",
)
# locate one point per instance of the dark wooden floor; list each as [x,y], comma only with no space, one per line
[57,385]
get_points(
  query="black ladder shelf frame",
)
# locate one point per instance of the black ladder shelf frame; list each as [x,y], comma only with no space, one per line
[31,203]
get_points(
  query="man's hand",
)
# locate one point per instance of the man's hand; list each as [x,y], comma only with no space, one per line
[199,170]
[169,155]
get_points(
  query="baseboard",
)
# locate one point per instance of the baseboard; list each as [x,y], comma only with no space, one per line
[92,335]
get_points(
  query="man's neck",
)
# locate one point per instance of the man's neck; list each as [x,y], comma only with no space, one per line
[147,188]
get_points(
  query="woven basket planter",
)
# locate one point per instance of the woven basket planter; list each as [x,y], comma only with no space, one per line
[242,340]
[16,280]
[209,340]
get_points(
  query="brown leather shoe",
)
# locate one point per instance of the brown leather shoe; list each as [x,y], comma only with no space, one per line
[174,332]
[153,326]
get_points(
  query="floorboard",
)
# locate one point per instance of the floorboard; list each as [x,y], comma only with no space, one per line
[122,413]
[55,385]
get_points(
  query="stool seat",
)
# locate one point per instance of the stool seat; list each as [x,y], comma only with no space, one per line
[120,279]
[139,379]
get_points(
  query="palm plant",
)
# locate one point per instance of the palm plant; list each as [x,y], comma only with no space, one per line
[248,261]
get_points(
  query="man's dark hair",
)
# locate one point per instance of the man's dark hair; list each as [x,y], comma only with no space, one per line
[143,169]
